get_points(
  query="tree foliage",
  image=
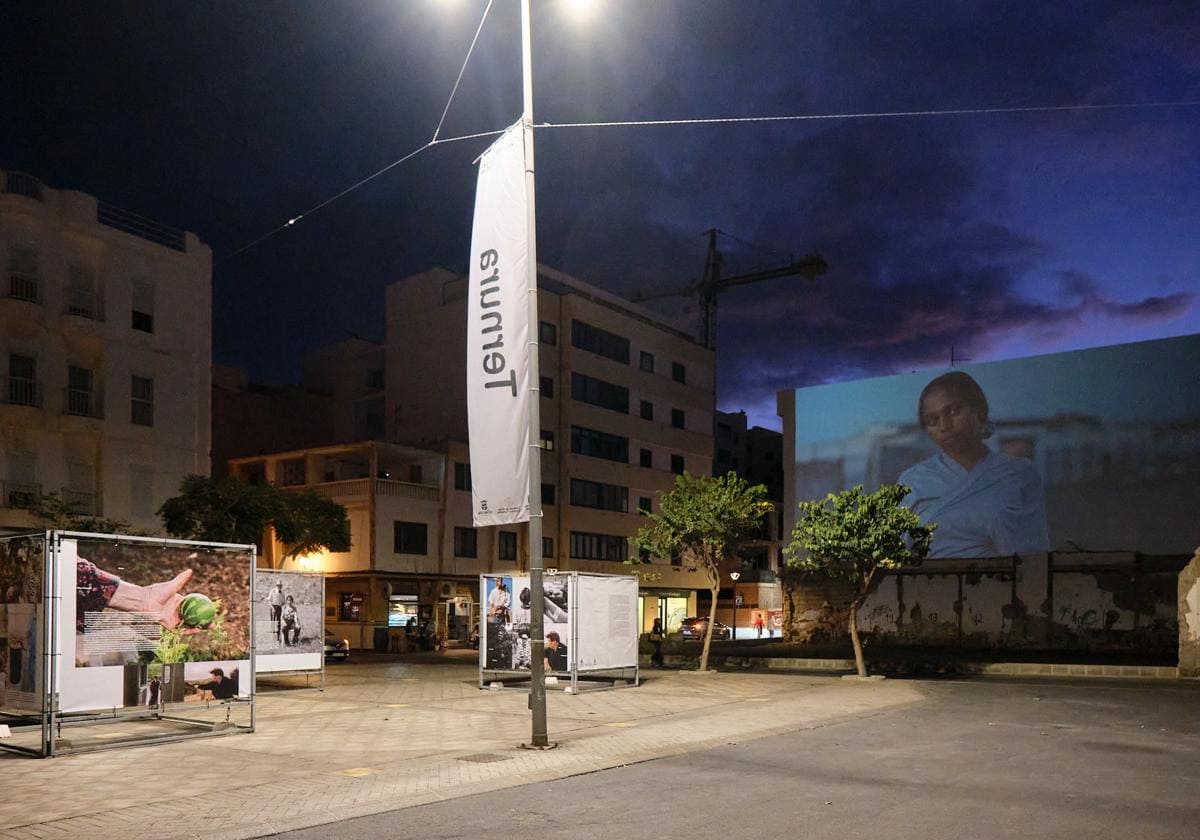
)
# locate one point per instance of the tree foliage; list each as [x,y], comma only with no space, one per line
[234,511]
[854,535]
[700,522]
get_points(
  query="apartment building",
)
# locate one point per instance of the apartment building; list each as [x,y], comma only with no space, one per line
[413,553]
[105,353]
[626,405]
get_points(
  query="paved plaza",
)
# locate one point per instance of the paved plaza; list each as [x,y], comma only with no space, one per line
[385,735]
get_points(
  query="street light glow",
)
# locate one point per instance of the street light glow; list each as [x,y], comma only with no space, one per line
[580,8]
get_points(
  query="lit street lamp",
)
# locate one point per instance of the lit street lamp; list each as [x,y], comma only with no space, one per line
[733,630]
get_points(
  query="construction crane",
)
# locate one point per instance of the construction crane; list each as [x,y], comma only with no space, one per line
[712,283]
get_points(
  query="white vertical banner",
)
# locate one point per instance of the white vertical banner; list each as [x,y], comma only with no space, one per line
[497,332]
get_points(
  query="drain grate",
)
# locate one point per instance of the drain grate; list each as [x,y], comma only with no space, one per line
[484,758]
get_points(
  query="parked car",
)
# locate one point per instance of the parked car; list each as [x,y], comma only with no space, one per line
[693,629]
[336,648]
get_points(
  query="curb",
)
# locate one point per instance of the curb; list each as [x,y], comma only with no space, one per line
[983,669]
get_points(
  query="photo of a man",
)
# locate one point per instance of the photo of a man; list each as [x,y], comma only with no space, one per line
[275,599]
[556,653]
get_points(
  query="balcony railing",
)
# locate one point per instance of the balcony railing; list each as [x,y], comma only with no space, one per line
[81,403]
[19,494]
[23,287]
[383,487]
[81,503]
[140,227]
[84,305]
[406,490]
[19,183]
[19,391]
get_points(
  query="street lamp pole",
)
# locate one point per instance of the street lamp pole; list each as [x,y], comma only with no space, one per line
[733,576]
[539,737]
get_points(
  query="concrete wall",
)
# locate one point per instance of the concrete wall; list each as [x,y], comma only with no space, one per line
[1059,601]
[1189,618]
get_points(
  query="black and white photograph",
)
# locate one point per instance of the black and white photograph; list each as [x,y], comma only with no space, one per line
[507,639]
[288,614]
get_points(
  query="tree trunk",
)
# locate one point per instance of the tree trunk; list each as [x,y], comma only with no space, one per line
[715,588]
[858,653]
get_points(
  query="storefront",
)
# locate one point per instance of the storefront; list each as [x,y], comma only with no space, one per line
[671,606]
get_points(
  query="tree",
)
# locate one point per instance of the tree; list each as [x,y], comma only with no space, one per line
[701,521]
[854,535]
[234,511]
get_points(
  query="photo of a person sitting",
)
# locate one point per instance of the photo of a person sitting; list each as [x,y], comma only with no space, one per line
[556,653]
[984,503]
[290,622]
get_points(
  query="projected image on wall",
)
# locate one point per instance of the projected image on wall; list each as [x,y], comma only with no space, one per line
[1089,450]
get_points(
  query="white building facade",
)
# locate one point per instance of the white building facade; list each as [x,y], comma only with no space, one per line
[105,354]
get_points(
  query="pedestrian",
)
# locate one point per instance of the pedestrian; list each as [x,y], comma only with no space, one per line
[656,642]
[758,624]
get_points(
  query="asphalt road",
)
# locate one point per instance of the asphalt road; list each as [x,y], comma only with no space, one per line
[981,759]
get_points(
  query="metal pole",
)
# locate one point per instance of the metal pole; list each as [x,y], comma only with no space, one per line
[537,643]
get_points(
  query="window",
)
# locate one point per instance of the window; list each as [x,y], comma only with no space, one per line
[291,472]
[22,489]
[647,459]
[547,494]
[375,379]
[647,410]
[22,380]
[548,546]
[585,546]
[466,542]
[597,392]
[593,494]
[141,403]
[547,333]
[546,385]
[80,492]
[677,418]
[81,293]
[644,504]
[23,275]
[599,444]
[677,464]
[601,342]
[678,372]
[462,476]
[414,473]
[507,545]
[647,362]
[141,491]
[409,538]
[547,440]
[81,393]
[142,306]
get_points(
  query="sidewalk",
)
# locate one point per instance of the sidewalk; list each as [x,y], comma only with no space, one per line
[388,735]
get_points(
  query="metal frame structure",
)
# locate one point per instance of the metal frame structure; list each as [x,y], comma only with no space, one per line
[51,720]
[594,679]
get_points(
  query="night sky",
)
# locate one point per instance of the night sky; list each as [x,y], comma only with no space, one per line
[995,235]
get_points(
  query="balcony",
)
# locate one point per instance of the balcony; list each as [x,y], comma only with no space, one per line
[15,390]
[84,403]
[22,286]
[19,494]
[81,503]
[361,487]
[18,183]
[84,305]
